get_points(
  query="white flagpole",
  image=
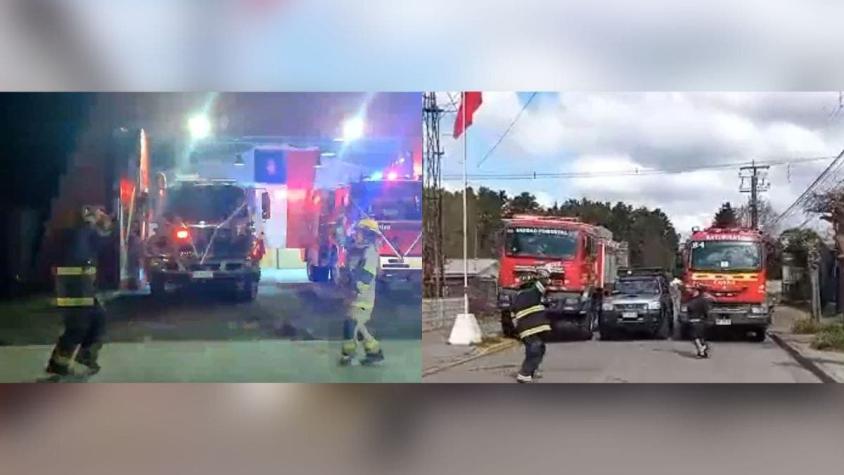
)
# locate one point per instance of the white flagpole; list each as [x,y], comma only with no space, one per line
[465,212]
[465,330]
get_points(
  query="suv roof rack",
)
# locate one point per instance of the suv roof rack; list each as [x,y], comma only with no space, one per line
[641,271]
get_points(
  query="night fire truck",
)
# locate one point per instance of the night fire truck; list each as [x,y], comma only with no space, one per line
[730,264]
[582,260]
[207,232]
[395,203]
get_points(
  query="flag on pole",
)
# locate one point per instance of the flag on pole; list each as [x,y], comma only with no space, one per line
[470,103]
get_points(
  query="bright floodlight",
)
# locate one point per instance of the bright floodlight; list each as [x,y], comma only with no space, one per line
[353,129]
[199,126]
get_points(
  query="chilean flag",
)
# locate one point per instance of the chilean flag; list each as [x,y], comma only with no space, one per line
[470,103]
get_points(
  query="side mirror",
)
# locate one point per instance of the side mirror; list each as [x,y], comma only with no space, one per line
[265,205]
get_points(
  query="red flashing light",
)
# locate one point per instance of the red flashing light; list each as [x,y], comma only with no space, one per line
[392,176]
[182,234]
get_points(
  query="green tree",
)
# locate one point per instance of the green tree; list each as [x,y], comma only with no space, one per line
[726,217]
[524,203]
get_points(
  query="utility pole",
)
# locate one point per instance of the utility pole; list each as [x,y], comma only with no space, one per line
[814,277]
[754,180]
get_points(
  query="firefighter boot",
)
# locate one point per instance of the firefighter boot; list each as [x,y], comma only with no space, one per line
[702,348]
[374,355]
[59,363]
[348,352]
[87,357]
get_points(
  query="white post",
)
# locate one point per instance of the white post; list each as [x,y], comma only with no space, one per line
[466,330]
[465,213]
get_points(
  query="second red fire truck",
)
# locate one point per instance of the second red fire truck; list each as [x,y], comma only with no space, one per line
[395,203]
[582,260]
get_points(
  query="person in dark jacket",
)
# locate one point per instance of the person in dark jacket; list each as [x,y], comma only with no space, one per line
[531,323]
[84,322]
[698,308]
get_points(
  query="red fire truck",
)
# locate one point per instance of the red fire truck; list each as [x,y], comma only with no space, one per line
[395,203]
[730,264]
[581,258]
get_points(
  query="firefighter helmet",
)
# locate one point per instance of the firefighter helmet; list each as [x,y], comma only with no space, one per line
[368,225]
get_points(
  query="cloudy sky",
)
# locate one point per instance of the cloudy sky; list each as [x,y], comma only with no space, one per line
[622,132]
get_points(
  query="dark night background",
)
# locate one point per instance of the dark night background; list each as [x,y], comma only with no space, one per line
[38,133]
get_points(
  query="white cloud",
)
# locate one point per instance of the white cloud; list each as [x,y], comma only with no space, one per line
[608,132]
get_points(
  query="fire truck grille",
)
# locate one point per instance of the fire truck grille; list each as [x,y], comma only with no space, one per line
[727,308]
[226,244]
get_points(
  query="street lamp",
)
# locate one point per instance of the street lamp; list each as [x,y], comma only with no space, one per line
[199,126]
[353,129]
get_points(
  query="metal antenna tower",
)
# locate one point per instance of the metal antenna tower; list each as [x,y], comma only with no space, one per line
[434,258]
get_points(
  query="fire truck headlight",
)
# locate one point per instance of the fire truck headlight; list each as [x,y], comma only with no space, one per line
[654,305]
[759,309]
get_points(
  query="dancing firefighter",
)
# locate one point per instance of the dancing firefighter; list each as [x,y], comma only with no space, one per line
[363,266]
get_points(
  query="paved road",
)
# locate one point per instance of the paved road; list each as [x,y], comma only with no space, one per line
[639,361]
[292,332]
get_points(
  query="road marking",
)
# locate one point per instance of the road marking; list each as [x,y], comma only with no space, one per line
[501,346]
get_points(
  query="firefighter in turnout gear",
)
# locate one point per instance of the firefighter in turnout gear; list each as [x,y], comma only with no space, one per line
[531,323]
[363,268]
[82,310]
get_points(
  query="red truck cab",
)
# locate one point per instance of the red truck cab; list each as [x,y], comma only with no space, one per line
[577,256]
[730,264]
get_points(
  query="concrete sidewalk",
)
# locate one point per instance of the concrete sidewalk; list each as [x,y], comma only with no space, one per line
[224,361]
[437,353]
[830,363]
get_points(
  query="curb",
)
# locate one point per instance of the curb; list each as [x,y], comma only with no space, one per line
[495,348]
[804,361]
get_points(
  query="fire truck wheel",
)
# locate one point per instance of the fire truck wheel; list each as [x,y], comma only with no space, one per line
[758,335]
[249,290]
[507,327]
[587,326]
[156,286]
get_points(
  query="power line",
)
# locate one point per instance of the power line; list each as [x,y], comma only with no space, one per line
[507,131]
[835,164]
[628,172]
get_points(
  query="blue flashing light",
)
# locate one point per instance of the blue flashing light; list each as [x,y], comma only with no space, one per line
[377,175]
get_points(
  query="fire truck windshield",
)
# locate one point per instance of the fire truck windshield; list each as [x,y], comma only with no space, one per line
[389,200]
[540,242]
[203,203]
[725,255]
